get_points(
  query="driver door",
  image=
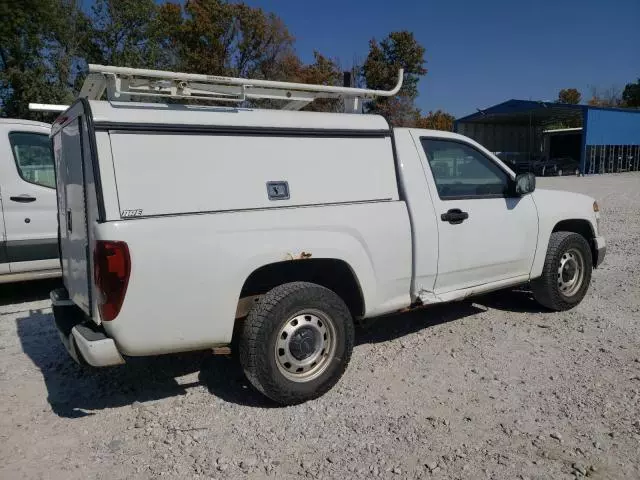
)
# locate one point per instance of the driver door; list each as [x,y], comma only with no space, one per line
[485,234]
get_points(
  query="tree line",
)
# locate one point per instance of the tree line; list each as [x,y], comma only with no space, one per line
[46,45]
[610,97]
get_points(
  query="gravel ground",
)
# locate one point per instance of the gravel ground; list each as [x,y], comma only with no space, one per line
[496,388]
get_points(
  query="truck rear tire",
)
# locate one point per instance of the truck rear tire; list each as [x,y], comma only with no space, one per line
[296,342]
[566,273]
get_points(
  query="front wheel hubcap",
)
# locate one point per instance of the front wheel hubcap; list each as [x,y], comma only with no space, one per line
[305,345]
[571,272]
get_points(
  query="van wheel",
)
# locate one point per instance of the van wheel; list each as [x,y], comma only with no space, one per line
[566,273]
[296,342]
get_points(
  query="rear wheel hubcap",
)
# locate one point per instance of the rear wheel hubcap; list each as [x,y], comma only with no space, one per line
[305,345]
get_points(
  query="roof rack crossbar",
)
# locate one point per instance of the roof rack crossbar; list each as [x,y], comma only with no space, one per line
[47,107]
[125,84]
[121,83]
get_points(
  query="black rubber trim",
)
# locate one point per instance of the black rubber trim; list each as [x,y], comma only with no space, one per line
[600,254]
[81,125]
[60,294]
[66,317]
[396,166]
[30,250]
[240,131]
[94,158]
[91,332]
[479,197]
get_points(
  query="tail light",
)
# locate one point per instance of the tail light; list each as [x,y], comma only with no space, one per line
[111,268]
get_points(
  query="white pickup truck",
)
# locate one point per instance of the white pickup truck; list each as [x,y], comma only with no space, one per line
[28,226]
[187,228]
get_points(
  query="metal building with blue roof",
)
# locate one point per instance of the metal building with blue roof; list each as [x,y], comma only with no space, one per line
[526,132]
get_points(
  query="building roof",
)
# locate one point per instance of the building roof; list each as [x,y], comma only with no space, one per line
[531,111]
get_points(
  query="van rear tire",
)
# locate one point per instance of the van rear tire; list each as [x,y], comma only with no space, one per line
[296,342]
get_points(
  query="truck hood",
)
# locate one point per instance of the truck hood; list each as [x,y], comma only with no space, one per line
[541,194]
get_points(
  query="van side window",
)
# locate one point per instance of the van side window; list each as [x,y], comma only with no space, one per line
[461,171]
[34,157]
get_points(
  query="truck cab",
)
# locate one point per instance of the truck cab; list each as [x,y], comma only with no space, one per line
[29,246]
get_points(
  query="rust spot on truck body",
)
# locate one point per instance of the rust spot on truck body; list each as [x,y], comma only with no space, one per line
[301,256]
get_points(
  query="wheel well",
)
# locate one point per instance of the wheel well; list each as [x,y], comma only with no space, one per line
[333,274]
[581,227]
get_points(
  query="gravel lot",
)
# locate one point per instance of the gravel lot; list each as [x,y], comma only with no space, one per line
[496,388]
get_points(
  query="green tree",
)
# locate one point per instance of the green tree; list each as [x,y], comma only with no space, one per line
[41,49]
[125,33]
[45,46]
[438,120]
[221,38]
[631,95]
[323,71]
[569,95]
[21,41]
[609,97]
[66,52]
[397,50]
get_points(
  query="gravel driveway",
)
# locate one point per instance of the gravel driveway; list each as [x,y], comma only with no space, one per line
[496,388]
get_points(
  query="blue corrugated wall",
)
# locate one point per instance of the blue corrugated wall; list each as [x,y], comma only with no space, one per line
[612,127]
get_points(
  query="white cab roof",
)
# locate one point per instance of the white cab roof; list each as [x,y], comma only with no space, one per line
[176,114]
[437,133]
[19,121]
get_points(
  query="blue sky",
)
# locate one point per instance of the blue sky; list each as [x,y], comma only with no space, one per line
[482,52]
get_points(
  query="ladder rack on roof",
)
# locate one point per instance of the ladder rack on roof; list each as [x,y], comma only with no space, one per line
[125,84]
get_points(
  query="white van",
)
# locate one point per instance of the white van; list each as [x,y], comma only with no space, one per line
[29,248]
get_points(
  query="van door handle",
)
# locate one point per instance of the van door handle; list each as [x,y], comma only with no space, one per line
[69,227]
[454,216]
[23,199]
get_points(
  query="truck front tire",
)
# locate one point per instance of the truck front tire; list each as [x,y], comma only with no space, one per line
[296,342]
[566,273]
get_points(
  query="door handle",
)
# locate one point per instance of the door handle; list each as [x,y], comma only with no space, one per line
[23,199]
[69,226]
[454,216]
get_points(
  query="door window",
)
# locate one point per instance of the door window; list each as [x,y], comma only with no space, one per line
[34,157]
[461,171]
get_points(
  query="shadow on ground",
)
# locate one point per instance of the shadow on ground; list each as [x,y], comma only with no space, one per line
[390,327]
[518,300]
[20,292]
[75,391]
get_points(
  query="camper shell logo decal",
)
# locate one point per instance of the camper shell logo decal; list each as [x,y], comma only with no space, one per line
[131,213]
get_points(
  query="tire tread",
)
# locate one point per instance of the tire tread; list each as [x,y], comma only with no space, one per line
[253,348]
[544,288]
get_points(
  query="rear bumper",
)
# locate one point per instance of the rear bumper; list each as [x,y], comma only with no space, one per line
[84,341]
[600,250]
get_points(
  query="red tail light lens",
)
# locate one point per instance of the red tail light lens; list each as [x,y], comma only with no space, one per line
[111,267]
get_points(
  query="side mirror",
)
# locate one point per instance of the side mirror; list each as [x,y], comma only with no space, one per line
[525,183]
